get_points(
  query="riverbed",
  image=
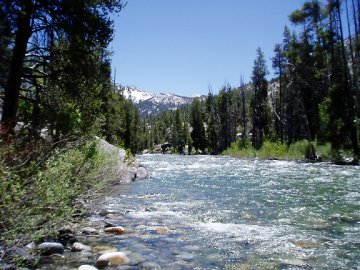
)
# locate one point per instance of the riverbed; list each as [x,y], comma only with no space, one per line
[225,213]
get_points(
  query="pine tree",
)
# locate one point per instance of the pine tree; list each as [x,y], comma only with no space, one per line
[260,109]
[197,122]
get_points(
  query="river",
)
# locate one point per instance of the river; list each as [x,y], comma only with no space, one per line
[225,212]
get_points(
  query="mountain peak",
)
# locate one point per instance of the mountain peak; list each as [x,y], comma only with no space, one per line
[150,103]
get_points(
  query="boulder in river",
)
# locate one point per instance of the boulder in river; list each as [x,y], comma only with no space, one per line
[141,173]
[112,258]
[49,248]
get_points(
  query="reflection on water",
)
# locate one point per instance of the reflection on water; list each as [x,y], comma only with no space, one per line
[228,212]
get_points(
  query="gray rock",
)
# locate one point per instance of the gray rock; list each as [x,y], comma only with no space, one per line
[31,246]
[80,247]
[89,231]
[129,175]
[141,173]
[49,248]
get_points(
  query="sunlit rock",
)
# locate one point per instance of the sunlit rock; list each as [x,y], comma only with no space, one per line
[141,173]
[80,247]
[31,246]
[115,230]
[162,230]
[112,258]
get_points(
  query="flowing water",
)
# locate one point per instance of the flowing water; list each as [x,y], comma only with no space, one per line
[225,212]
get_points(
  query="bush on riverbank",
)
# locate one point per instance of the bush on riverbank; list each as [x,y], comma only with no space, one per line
[42,186]
[276,150]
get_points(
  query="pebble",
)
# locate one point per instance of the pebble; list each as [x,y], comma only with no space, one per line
[112,258]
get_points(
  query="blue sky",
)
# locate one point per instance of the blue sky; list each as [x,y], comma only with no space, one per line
[187,46]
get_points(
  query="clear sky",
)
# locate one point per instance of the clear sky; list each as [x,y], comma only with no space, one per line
[187,46]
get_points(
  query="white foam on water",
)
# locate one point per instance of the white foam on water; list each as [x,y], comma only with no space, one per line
[143,214]
[247,231]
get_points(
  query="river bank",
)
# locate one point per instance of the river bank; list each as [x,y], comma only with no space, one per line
[36,217]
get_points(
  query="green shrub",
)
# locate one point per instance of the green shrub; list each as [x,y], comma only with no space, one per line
[271,150]
[38,198]
[276,150]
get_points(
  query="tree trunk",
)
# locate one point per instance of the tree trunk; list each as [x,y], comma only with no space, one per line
[12,90]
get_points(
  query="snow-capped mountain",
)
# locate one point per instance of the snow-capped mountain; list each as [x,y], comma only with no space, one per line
[150,103]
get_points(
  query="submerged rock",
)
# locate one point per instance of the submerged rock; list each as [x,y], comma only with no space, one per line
[104,249]
[163,230]
[150,265]
[49,248]
[112,258]
[294,263]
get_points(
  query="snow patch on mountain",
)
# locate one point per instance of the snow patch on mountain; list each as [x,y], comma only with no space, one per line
[136,94]
[150,103]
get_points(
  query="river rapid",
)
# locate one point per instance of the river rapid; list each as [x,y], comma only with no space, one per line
[225,212]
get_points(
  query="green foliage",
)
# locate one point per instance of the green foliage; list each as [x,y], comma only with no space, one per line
[276,150]
[40,197]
